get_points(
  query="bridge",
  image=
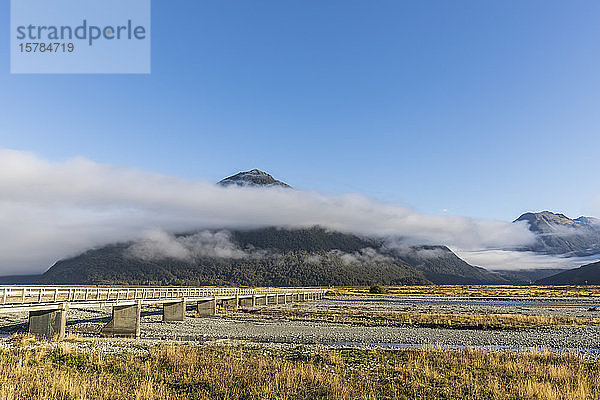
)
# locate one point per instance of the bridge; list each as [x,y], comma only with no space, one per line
[48,305]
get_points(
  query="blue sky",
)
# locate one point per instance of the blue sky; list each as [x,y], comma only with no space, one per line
[483,109]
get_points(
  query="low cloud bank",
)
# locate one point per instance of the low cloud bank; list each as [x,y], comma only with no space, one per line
[507,260]
[366,255]
[51,210]
[156,245]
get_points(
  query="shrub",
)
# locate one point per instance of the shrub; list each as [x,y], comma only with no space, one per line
[377,289]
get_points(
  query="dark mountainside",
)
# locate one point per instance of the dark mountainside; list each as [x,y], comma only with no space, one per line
[274,257]
[527,276]
[441,266]
[19,279]
[311,240]
[277,257]
[586,275]
[558,234]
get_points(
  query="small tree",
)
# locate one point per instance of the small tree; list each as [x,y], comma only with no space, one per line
[377,289]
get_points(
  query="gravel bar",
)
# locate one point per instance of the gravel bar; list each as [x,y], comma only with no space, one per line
[236,326]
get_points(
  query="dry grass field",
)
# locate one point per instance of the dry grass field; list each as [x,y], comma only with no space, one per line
[429,320]
[30,369]
[188,372]
[477,291]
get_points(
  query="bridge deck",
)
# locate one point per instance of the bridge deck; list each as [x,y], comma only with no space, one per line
[48,305]
[16,298]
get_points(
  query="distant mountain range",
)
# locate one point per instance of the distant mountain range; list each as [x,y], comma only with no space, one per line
[527,276]
[558,234]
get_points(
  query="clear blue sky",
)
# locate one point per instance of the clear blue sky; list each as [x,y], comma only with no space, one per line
[486,109]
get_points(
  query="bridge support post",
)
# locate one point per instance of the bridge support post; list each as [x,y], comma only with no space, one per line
[174,311]
[125,321]
[253,300]
[48,323]
[206,308]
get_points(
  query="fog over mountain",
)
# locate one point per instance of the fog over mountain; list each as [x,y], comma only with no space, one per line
[560,243]
[266,257]
[53,210]
[518,260]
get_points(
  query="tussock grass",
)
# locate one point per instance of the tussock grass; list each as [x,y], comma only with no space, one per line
[476,291]
[429,320]
[72,338]
[22,339]
[185,372]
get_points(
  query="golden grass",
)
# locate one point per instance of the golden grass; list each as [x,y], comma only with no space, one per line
[22,339]
[477,291]
[185,372]
[430,320]
[72,338]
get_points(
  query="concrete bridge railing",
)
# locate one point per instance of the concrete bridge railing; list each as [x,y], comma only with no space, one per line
[48,305]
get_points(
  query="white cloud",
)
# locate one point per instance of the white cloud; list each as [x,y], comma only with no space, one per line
[52,210]
[156,244]
[427,253]
[366,255]
[506,259]
[313,259]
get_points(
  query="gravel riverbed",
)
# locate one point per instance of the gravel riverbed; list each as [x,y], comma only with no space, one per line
[236,326]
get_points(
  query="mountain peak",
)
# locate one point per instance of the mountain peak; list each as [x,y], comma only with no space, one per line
[551,218]
[558,234]
[588,220]
[254,177]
